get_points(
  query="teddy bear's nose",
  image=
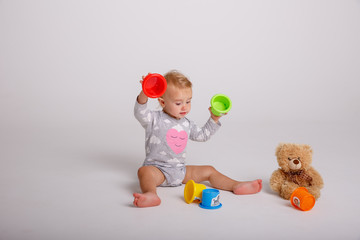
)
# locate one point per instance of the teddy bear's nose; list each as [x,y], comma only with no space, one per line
[296,162]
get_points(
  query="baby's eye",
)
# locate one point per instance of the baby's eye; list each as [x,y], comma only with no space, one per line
[188,102]
[178,104]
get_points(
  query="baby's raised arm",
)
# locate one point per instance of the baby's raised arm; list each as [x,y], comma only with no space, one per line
[214,117]
[142,98]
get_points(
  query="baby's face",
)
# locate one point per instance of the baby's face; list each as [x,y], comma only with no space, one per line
[176,101]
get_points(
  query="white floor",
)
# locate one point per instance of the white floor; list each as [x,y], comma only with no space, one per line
[78,184]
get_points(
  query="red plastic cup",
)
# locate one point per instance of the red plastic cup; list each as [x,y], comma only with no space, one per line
[154,85]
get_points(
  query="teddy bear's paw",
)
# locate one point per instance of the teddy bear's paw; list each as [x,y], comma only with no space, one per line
[287,189]
[314,192]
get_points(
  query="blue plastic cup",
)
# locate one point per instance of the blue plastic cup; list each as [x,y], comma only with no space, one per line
[210,199]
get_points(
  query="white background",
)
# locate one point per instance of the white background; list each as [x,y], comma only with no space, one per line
[70,146]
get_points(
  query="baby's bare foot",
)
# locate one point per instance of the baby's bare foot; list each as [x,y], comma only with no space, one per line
[248,187]
[148,199]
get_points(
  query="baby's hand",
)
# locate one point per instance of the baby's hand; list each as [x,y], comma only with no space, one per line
[142,98]
[142,78]
[214,117]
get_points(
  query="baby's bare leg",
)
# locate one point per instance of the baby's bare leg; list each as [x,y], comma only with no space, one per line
[220,181]
[149,177]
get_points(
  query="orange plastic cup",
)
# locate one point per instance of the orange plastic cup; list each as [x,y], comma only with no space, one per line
[302,199]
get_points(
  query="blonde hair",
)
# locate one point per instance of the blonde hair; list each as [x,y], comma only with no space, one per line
[177,79]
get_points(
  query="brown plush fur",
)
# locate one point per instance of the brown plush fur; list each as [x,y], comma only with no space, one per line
[295,171]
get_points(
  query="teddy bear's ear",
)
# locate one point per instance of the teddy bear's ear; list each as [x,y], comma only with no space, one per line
[308,148]
[278,149]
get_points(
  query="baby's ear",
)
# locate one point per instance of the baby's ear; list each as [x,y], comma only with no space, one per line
[162,102]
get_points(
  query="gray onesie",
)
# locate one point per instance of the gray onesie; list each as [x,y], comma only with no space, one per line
[166,139]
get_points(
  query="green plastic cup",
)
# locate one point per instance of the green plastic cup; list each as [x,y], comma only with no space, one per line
[220,104]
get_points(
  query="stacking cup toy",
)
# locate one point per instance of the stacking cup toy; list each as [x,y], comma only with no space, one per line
[302,199]
[193,191]
[154,85]
[220,104]
[210,199]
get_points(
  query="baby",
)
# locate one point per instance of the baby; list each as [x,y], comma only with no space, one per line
[166,136]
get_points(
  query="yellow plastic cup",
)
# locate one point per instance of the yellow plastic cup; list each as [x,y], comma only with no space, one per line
[302,199]
[193,191]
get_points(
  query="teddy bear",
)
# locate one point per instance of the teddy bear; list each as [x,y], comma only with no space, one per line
[295,171]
